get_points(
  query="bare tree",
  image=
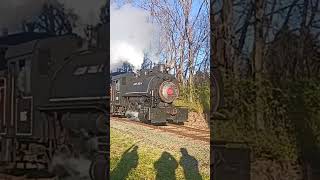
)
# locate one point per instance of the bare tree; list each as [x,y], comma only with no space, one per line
[54,19]
[185,36]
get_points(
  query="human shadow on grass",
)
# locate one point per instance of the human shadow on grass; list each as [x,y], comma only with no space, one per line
[128,161]
[165,167]
[189,165]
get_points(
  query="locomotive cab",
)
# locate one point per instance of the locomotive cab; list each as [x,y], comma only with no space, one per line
[38,104]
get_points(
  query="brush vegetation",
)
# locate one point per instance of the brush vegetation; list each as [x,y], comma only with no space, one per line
[291,118]
[195,98]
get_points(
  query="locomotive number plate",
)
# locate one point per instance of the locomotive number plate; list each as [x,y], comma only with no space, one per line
[23,116]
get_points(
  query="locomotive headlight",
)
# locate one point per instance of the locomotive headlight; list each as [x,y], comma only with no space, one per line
[168,91]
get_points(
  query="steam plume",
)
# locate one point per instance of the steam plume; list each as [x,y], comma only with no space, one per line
[71,168]
[87,10]
[14,12]
[131,35]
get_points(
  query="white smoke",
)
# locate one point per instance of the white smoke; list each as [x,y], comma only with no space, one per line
[87,10]
[14,12]
[131,35]
[72,168]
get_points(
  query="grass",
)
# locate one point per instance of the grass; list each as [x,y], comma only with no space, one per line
[131,161]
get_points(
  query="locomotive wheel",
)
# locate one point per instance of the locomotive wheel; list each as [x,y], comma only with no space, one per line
[99,168]
[143,117]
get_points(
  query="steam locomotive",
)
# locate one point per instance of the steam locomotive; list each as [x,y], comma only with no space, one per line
[53,102]
[146,96]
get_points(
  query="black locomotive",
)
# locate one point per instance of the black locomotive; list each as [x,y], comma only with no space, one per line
[147,95]
[53,101]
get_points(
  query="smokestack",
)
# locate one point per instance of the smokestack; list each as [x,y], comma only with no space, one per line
[5,32]
[30,27]
[90,36]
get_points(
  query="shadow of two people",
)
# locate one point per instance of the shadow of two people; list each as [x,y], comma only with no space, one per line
[166,166]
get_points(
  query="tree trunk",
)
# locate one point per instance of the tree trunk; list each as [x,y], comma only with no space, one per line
[258,61]
[190,80]
[180,69]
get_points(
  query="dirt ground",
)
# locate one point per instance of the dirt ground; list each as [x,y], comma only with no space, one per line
[197,120]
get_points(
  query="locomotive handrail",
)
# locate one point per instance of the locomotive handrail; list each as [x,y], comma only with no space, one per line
[66,107]
[78,98]
[66,61]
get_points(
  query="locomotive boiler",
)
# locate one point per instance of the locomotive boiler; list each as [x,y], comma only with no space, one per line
[147,96]
[53,101]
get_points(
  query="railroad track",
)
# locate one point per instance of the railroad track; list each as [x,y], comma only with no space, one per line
[181,130]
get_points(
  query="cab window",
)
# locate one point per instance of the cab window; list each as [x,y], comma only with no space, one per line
[117,85]
[24,76]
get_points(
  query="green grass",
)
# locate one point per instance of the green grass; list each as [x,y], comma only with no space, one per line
[131,161]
